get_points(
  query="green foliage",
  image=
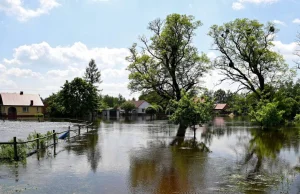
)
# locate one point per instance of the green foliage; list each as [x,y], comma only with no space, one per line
[297,118]
[168,61]
[54,105]
[247,55]
[92,74]
[154,98]
[7,151]
[111,101]
[127,106]
[79,97]
[153,109]
[267,114]
[190,112]
[44,138]
[39,115]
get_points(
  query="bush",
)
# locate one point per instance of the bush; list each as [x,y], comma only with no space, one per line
[297,118]
[127,106]
[267,114]
[7,151]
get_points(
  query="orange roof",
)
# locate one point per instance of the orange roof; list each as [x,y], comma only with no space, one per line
[138,103]
[14,99]
[220,106]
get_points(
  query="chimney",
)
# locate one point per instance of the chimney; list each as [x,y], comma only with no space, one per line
[21,93]
[31,102]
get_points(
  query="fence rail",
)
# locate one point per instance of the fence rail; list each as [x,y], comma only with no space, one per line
[52,136]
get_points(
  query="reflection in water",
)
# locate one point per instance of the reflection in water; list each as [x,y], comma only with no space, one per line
[164,169]
[136,157]
[88,145]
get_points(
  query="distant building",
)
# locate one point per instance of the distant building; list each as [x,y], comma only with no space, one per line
[13,105]
[140,107]
[221,108]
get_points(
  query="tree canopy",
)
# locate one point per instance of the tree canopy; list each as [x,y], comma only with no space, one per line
[79,97]
[247,55]
[168,62]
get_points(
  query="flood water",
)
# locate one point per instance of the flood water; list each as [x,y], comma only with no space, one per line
[136,157]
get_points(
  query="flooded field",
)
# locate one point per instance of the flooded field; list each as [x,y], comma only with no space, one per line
[135,157]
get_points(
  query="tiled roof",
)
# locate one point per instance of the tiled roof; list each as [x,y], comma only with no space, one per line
[220,106]
[15,99]
[138,103]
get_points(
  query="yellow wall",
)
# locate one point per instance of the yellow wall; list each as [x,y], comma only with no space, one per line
[32,110]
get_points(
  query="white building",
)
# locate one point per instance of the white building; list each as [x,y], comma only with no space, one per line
[140,107]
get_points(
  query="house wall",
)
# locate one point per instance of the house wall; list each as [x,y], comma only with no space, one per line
[32,110]
[143,106]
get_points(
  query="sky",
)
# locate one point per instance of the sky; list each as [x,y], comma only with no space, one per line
[43,43]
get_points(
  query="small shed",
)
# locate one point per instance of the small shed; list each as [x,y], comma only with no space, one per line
[221,108]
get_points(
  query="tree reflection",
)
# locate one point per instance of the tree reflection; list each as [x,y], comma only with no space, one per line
[166,169]
[87,144]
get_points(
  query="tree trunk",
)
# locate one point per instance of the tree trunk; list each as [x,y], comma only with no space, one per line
[181,130]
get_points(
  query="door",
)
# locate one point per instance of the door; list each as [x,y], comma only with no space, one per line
[12,113]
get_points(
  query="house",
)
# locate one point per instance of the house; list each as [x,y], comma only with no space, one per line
[111,113]
[13,105]
[140,107]
[221,108]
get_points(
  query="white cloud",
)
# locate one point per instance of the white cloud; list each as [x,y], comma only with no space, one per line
[17,9]
[26,73]
[287,50]
[296,21]
[240,4]
[237,6]
[279,22]
[53,65]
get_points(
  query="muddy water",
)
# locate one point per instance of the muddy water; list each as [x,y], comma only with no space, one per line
[135,157]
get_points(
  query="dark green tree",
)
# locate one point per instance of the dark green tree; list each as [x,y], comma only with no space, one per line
[168,61]
[127,107]
[247,56]
[79,97]
[92,74]
[220,96]
[54,105]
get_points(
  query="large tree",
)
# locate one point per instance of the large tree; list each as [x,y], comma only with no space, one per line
[168,62]
[79,97]
[92,74]
[247,55]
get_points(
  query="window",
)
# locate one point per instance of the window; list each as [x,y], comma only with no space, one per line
[25,109]
[143,110]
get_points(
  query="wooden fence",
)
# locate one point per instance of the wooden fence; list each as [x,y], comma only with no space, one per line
[53,136]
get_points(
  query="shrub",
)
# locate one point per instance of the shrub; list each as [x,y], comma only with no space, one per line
[7,151]
[267,114]
[297,118]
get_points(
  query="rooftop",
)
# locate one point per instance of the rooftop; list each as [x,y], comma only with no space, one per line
[18,99]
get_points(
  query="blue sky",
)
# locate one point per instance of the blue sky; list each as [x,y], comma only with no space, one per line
[45,42]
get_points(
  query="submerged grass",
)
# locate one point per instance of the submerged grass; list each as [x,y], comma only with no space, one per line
[7,151]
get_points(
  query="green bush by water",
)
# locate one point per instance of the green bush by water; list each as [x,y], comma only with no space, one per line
[7,151]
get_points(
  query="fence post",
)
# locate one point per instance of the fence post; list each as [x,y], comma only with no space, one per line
[15,149]
[54,143]
[87,128]
[69,134]
[78,129]
[37,142]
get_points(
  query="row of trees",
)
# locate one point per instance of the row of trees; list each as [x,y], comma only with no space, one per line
[81,97]
[168,65]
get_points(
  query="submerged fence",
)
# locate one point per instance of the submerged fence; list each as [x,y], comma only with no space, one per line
[18,149]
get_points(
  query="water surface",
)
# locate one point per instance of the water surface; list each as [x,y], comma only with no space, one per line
[135,157]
